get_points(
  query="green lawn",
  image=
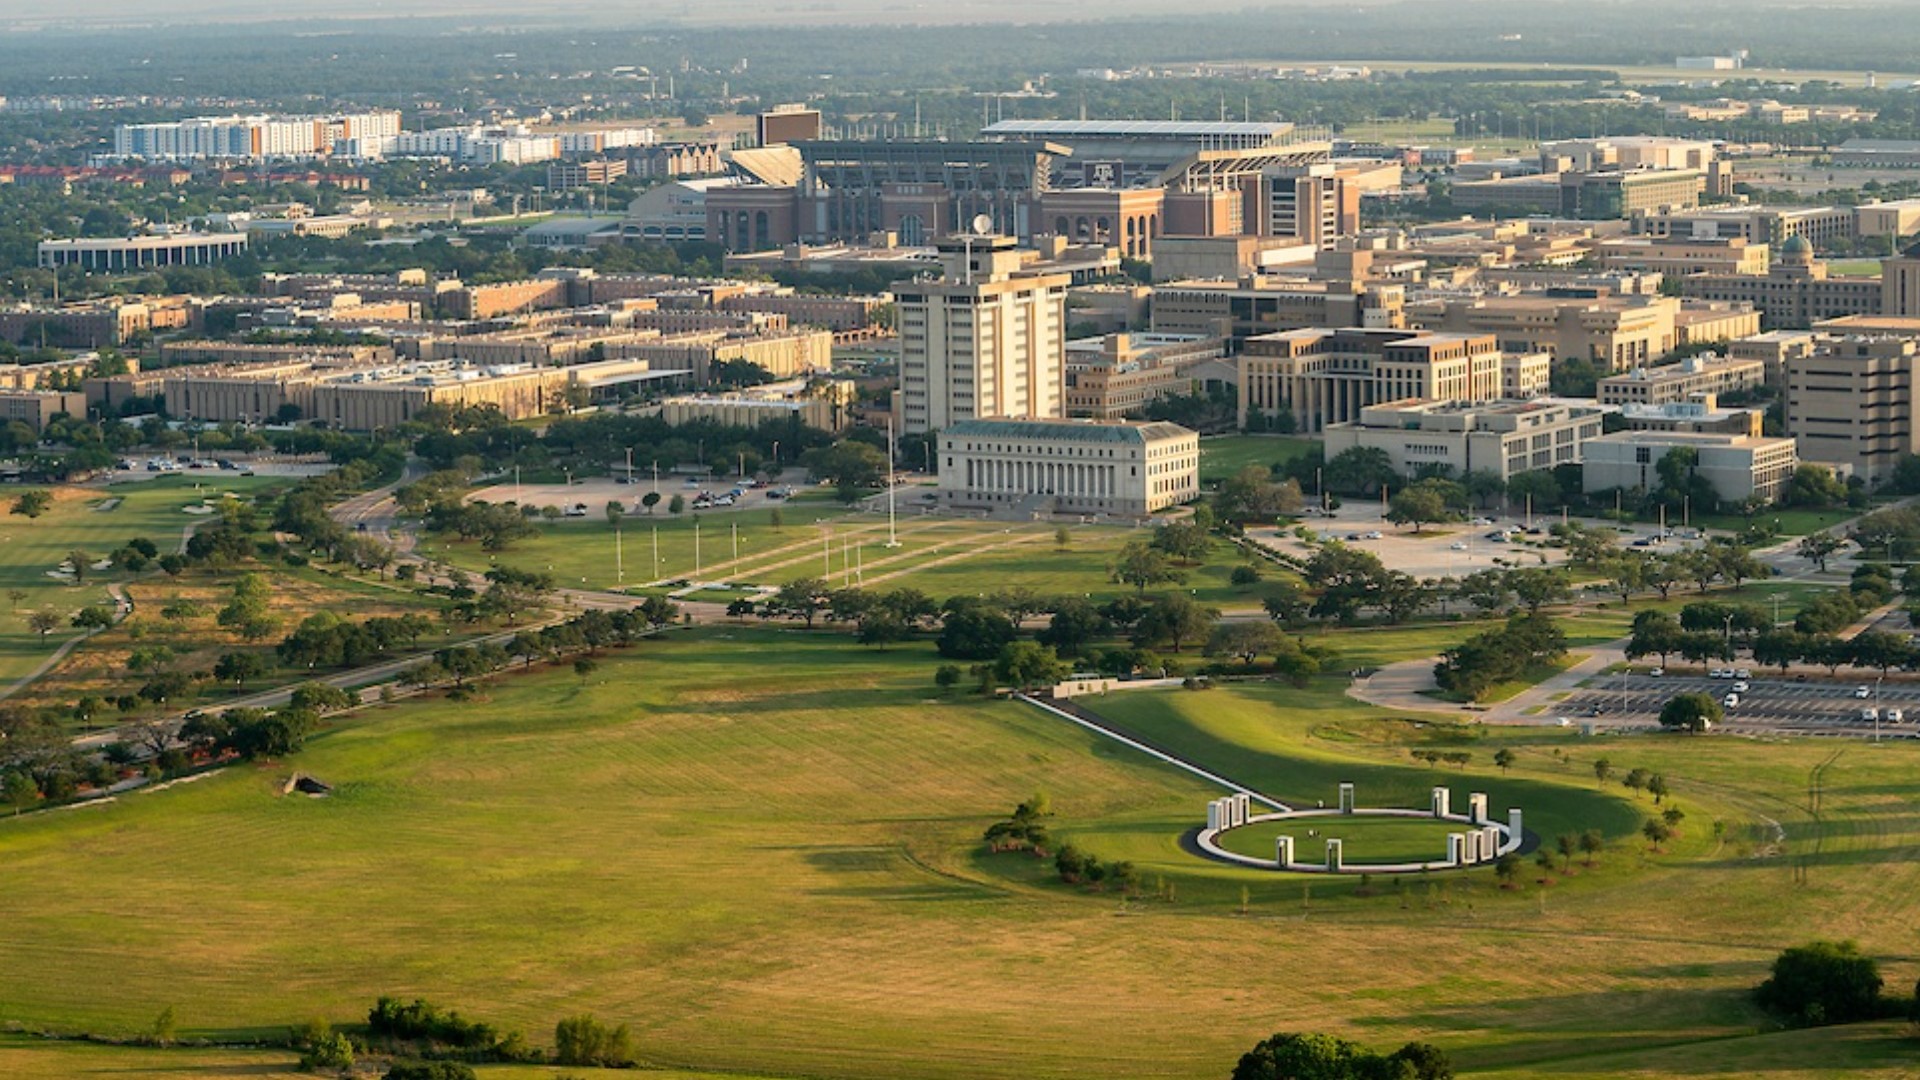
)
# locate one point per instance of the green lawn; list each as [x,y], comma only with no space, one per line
[938,555]
[1791,522]
[1223,455]
[88,520]
[23,1058]
[761,849]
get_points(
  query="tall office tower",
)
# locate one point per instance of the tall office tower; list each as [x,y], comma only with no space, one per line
[986,339]
[1312,204]
[1851,403]
[1900,283]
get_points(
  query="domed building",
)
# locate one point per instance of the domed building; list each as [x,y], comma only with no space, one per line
[1796,291]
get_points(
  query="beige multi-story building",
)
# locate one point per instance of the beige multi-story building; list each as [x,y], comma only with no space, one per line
[783,355]
[1326,377]
[986,339]
[1737,466]
[1900,283]
[55,374]
[1678,257]
[1710,322]
[249,395]
[1314,204]
[1525,375]
[35,407]
[1795,292]
[1700,415]
[363,398]
[1111,376]
[1851,403]
[1772,348]
[1506,438]
[1683,381]
[1771,225]
[95,324]
[1019,466]
[1263,305]
[822,405]
[840,314]
[1613,332]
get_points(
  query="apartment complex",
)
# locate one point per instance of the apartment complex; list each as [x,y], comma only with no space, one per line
[1683,381]
[96,324]
[35,408]
[1505,438]
[1020,466]
[1737,466]
[1850,403]
[253,137]
[986,339]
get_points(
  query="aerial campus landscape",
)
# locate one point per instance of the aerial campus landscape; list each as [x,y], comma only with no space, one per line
[844,541]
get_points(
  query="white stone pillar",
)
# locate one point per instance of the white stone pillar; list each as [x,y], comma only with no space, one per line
[1514,830]
[1215,815]
[1346,798]
[1477,808]
[1457,849]
[1490,842]
[1237,810]
[1333,855]
[1442,802]
[1283,851]
[1473,846]
[1245,802]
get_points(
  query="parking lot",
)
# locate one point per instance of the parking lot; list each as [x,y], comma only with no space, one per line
[1814,706]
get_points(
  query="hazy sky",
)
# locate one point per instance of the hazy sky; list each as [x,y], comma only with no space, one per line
[78,14]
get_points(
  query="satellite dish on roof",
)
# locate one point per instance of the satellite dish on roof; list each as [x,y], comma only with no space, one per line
[982,224]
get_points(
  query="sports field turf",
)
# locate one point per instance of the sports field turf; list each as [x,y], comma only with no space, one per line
[940,556]
[760,848]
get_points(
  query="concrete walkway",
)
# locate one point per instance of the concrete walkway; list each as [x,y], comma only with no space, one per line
[1402,687]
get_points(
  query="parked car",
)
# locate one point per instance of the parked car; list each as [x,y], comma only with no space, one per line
[1742,673]
[1656,672]
[1895,716]
[1869,714]
[1731,700]
[1741,686]
[1863,692]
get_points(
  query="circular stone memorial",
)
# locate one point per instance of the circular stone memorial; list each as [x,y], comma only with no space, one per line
[1364,838]
[1354,839]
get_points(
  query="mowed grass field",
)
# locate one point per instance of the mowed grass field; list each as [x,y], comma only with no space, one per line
[87,519]
[1223,455]
[940,556]
[760,848]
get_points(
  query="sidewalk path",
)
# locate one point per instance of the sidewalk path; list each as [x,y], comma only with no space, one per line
[1401,686]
